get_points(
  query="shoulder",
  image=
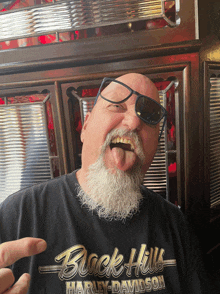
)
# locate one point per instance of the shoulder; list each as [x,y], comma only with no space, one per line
[165,217]
[47,191]
[161,208]
[28,209]
[155,198]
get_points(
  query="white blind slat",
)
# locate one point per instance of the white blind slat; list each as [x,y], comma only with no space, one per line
[24,156]
[214,142]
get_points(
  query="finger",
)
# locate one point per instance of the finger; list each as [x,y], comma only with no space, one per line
[12,251]
[21,286]
[6,279]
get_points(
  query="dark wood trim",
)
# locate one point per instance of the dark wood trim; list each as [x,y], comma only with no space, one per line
[81,53]
[61,137]
[91,72]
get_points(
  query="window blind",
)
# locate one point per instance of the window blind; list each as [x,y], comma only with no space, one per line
[24,156]
[156,177]
[215,142]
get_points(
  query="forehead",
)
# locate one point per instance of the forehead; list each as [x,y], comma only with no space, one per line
[121,85]
[116,90]
[138,83]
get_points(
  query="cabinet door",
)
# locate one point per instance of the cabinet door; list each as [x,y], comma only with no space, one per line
[169,173]
[29,151]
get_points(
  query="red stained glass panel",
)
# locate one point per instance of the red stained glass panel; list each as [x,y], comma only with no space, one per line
[2,101]
[51,131]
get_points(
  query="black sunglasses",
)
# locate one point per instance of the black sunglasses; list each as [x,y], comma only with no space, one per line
[147,109]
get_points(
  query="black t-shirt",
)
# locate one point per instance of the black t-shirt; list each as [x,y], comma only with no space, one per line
[152,252]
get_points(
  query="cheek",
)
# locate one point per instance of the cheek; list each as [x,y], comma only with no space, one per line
[106,123]
[150,143]
[96,133]
[150,135]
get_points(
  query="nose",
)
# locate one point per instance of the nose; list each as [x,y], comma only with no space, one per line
[131,121]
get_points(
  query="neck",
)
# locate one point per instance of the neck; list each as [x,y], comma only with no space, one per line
[81,178]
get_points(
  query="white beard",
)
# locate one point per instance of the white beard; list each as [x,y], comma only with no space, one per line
[114,195]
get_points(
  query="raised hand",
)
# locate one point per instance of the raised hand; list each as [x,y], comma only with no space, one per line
[12,251]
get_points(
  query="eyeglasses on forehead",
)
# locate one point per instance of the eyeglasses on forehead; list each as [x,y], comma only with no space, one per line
[146,108]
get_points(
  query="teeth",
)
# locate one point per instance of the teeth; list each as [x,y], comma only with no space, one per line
[123,140]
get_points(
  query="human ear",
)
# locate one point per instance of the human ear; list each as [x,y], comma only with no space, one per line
[82,136]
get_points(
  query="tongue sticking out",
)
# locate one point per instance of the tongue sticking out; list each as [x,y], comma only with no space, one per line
[123,159]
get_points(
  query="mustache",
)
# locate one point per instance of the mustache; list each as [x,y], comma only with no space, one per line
[130,134]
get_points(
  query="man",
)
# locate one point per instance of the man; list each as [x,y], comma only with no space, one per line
[105,232]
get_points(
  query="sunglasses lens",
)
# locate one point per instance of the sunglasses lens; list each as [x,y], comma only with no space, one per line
[149,110]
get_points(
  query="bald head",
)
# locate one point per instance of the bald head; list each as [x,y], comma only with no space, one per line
[141,84]
[138,83]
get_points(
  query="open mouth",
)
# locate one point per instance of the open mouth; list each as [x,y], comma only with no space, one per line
[126,147]
[123,155]
[124,144]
